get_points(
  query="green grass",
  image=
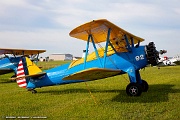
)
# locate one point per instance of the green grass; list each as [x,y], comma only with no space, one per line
[74,102]
[51,64]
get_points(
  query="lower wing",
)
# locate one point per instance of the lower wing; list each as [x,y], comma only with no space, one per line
[93,74]
[4,71]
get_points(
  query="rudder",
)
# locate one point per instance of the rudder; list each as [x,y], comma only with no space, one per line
[25,67]
[21,81]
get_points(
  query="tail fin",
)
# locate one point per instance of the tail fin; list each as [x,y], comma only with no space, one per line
[31,67]
[26,67]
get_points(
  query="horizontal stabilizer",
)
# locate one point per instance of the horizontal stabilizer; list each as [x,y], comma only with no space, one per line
[93,74]
[32,76]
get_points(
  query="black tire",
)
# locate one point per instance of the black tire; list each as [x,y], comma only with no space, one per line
[33,91]
[145,86]
[134,89]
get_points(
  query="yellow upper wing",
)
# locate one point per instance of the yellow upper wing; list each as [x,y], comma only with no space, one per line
[20,51]
[99,30]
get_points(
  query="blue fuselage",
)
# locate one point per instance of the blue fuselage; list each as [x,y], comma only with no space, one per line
[124,61]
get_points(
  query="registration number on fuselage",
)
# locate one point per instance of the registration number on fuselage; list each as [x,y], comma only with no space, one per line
[139,57]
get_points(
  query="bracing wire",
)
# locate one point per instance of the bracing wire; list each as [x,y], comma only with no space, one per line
[91,93]
[108,56]
[113,62]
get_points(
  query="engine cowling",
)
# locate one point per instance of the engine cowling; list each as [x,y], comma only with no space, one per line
[152,54]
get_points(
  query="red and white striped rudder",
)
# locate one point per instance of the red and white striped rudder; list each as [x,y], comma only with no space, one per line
[20,73]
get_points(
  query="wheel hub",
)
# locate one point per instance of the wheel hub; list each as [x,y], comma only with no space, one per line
[133,90]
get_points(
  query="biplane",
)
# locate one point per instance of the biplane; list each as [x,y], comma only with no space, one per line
[169,61]
[10,58]
[121,54]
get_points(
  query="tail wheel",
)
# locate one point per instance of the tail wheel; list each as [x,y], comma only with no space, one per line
[13,76]
[145,86]
[134,89]
[33,91]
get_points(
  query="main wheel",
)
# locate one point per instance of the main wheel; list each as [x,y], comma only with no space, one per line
[134,89]
[145,86]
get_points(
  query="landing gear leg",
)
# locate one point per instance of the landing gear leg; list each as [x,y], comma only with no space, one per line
[136,85]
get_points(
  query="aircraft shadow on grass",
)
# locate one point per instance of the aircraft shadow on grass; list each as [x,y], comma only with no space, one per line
[6,81]
[156,93]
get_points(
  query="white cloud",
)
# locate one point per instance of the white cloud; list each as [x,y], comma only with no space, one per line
[45,24]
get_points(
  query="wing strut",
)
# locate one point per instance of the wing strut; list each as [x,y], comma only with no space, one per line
[97,54]
[127,43]
[87,50]
[132,42]
[90,38]
[106,47]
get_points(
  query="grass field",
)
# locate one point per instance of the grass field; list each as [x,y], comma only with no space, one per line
[108,100]
[51,64]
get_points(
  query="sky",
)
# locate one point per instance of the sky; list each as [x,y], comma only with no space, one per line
[46,24]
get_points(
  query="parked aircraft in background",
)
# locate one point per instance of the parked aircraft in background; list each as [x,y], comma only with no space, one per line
[10,58]
[121,54]
[164,61]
